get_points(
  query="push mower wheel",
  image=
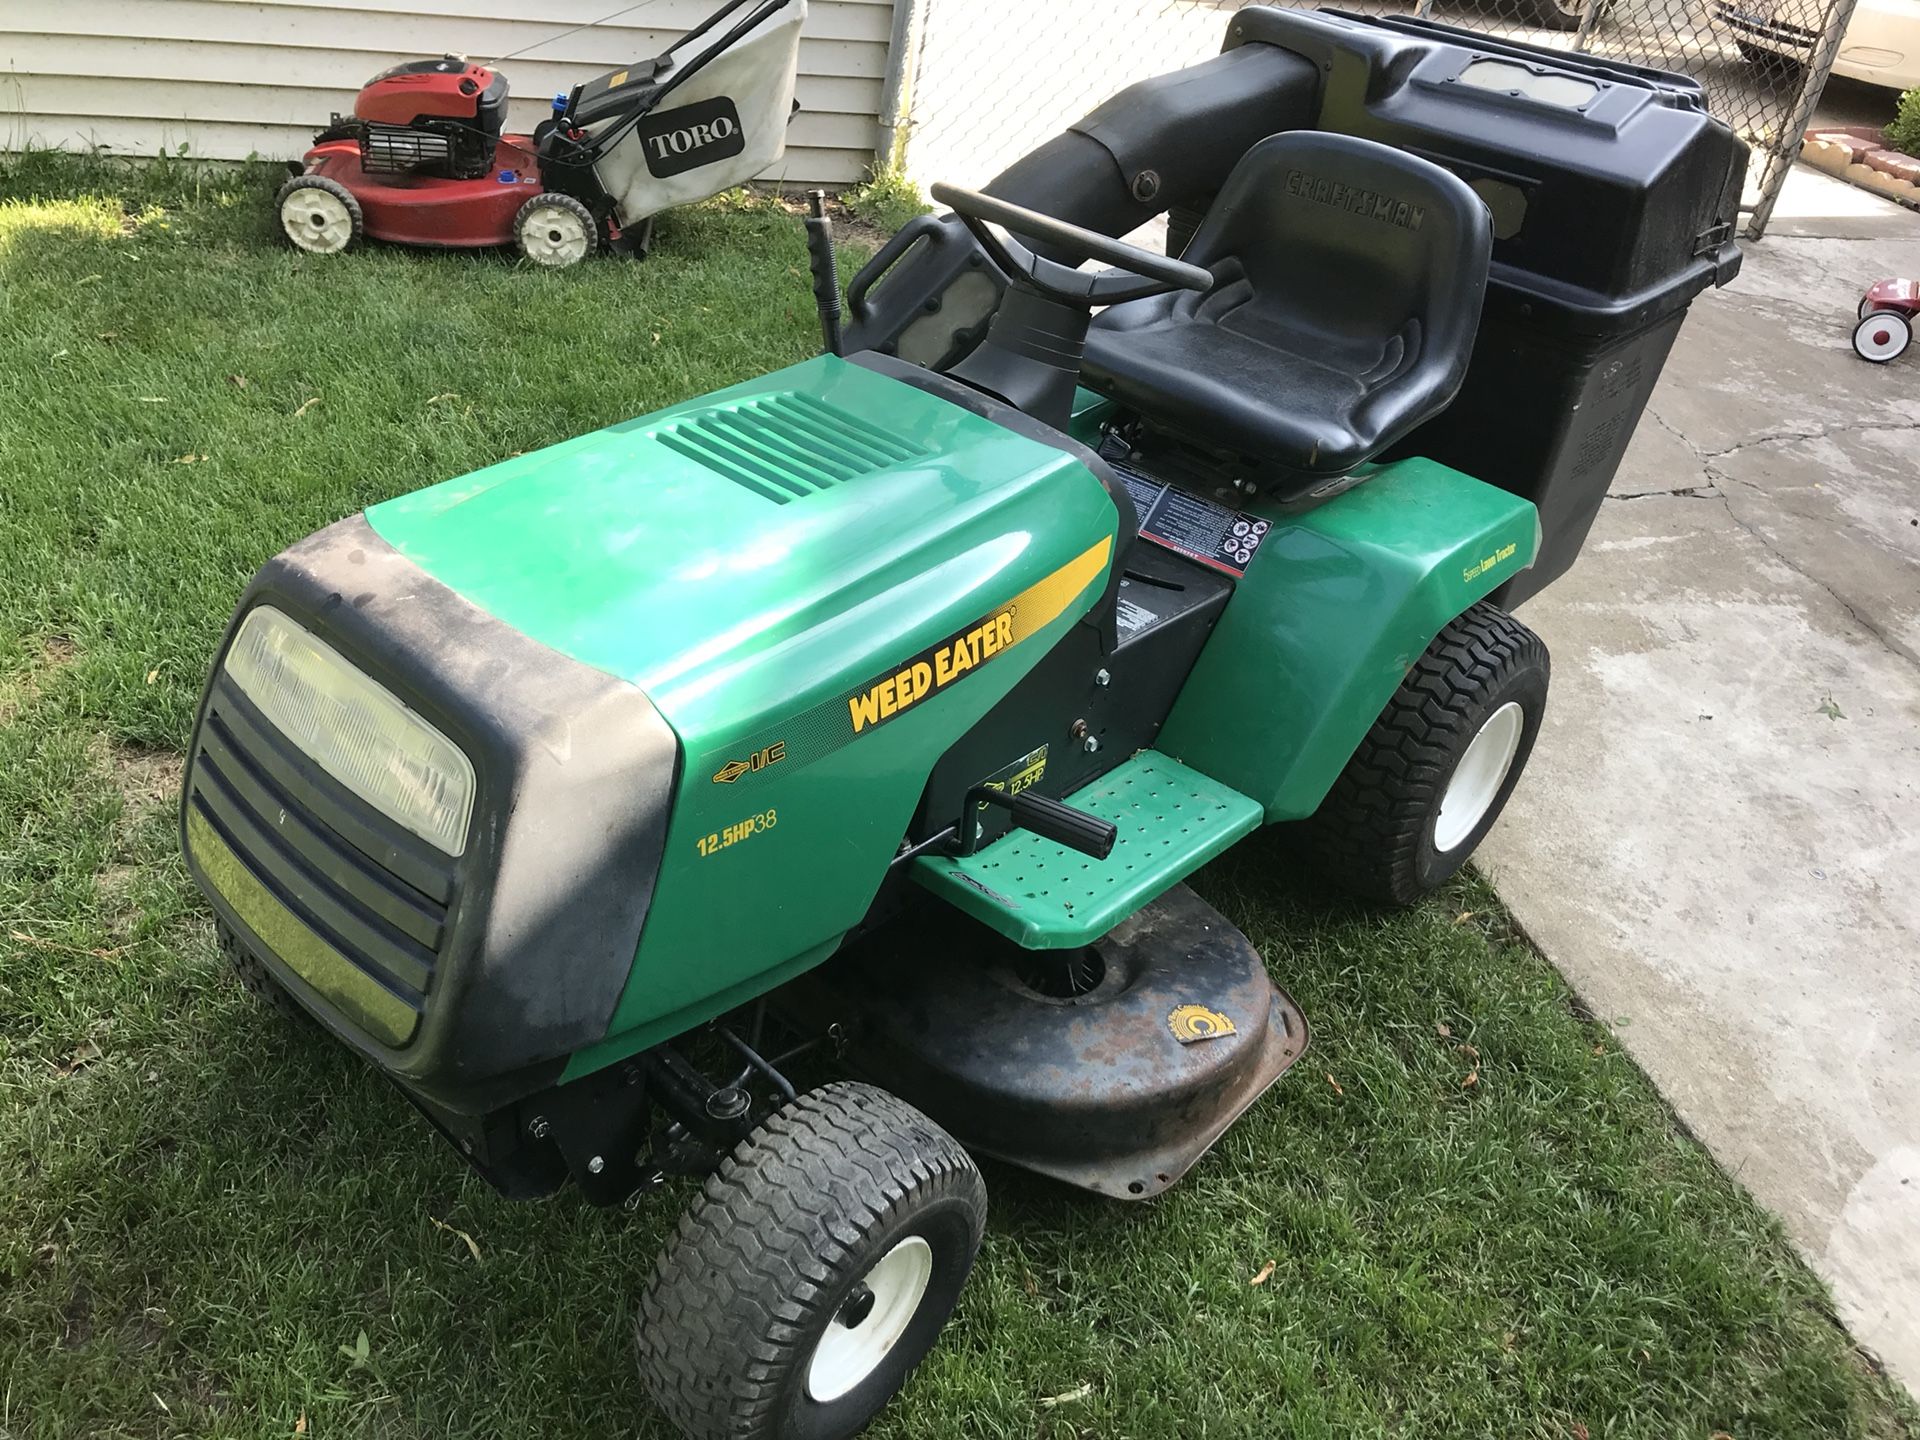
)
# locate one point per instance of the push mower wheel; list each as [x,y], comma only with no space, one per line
[1882,335]
[255,979]
[555,230]
[1434,772]
[814,1271]
[318,215]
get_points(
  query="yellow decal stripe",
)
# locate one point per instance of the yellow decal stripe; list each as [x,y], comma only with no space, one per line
[1041,603]
[825,727]
[931,671]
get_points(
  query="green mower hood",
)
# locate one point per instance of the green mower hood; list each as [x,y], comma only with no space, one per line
[820,579]
[729,554]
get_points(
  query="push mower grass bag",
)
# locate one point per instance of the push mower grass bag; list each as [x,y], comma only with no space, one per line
[718,130]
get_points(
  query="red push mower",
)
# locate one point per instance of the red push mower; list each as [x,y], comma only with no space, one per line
[1886,320]
[424,158]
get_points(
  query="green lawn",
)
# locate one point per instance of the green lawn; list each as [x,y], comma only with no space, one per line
[1473,1215]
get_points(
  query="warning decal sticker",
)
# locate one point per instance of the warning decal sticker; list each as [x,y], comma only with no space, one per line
[1192,526]
[1130,615]
[1191,1024]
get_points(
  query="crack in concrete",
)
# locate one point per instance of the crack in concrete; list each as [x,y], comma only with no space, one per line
[1685,492]
[1778,239]
[1777,437]
[1716,491]
[1891,643]
[1667,426]
[1788,436]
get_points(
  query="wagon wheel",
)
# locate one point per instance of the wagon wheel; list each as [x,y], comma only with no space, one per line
[1881,336]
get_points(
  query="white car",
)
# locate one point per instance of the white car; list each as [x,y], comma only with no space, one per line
[1881,45]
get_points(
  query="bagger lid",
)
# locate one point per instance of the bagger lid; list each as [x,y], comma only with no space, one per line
[1614,193]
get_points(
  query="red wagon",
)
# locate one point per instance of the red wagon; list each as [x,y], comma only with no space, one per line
[1886,320]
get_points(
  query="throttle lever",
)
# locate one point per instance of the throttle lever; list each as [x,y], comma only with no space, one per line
[1049,819]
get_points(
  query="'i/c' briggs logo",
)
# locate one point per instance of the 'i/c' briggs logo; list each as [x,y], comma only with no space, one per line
[675,141]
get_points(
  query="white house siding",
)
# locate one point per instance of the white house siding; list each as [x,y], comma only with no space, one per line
[231,78]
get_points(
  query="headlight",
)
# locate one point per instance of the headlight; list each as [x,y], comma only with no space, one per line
[354,728]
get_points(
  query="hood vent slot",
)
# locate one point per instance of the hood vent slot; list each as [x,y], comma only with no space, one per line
[785,446]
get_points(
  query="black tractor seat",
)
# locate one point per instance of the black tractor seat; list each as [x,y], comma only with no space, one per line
[1349,278]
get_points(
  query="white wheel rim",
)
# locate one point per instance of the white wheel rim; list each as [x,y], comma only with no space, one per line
[1881,336]
[553,235]
[1478,777]
[848,1354]
[316,220]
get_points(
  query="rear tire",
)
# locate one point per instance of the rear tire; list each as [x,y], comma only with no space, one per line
[555,231]
[1433,774]
[318,215]
[815,1270]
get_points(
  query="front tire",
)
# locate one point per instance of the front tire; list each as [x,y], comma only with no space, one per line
[555,231]
[255,978]
[318,215]
[813,1273]
[1433,774]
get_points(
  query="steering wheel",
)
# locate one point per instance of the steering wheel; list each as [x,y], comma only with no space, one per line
[1137,274]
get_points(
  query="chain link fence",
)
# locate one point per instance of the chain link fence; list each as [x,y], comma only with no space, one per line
[995,78]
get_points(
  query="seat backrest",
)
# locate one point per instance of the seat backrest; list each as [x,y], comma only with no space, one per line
[1349,244]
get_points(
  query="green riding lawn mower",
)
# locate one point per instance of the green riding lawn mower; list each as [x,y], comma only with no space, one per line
[867,716]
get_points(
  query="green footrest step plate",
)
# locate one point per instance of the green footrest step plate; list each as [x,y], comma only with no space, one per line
[1039,894]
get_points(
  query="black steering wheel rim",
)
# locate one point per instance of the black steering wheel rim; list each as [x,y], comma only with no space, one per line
[1137,272]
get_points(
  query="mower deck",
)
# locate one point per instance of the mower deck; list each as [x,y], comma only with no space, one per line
[1112,1067]
[1043,896]
[433,210]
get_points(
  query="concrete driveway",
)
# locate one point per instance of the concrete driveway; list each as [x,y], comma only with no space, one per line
[1718,839]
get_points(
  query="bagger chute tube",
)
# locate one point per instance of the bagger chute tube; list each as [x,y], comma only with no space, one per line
[598,795]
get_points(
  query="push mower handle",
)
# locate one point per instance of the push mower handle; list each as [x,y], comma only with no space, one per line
[971,205]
